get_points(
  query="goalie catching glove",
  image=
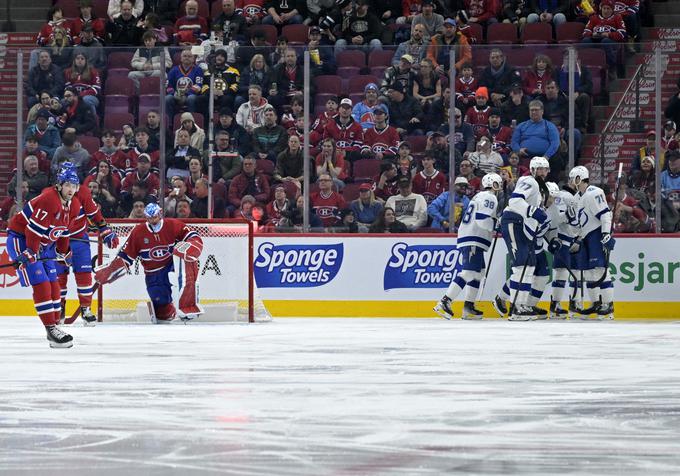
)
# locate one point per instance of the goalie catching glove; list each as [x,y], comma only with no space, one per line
[109,237]
[189,250]
[108,273]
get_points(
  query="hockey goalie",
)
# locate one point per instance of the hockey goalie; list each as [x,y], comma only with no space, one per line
[155,242]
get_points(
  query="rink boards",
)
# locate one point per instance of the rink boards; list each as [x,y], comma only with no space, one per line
[337,275]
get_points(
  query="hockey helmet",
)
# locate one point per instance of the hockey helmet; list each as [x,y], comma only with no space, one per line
[537,163]
[152,210]
[492,181]
[579,172]
[553,188]
[68,175]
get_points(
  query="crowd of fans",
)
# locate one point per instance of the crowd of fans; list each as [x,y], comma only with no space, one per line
[380,156]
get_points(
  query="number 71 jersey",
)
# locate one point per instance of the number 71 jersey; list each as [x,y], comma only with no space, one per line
[479,221]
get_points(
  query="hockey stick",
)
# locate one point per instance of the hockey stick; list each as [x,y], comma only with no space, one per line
[15,264]
[486,274]
[76,313]
[607,251]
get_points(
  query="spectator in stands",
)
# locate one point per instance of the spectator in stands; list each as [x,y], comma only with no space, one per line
[429,182]
[153,126]
[438,210]
[478,115]
[256,73]
[332,104]
[250,114]
[257,46]
[648,150]
[283,12]
[279,207]
[463,137]
[47,134]
[248,182]
[9,206]
[362,30]
[410,208]
[516,12]
[196,172]
[238,137]
[226,161]
[290,164]
[278,54]
[226,79]
[480,11]
[177,161]
[608,30]
[331,162]
[433,22]
[183,209]
[185,83]
[416,46]
[556,110]
[293,219]
[142,174]
[409,10]
[71,151]
[44,77]
[548,11]
[137,208]
[537,137]
[321,54]
[44,103]
[669,131]
[516,109]
[146,62]
[402,73]
[107,202]
[152,23]
[382,140]
[231,21]
[439,112]
[629,217]
[583,88]
[499,77]
[197,135]
[142,146]
[501,136]
[287,81]
[345,131]
[177,192]
[467,171]
[115,8]
[270,139]
[31,147]
[427,86]
[55,20]
[36,179]
[77,115]
[366,208]
[108,181]
[326,202]
[406,115]
[670,185]
[199,205]
[484,159]
[387,223]
[245,210]
[386,182]
[362,112]
[672,111]
[442,43]
[670,179]
[537,76]
[85,80]
[123,29]
[92,47]
[87,18]
[642,183]
[388,11]
[296,111]
[191,29]
[60,48]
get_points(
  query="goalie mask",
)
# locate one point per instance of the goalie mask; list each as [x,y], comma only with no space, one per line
[154,217]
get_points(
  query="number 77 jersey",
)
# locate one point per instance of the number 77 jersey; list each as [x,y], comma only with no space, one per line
[479,221]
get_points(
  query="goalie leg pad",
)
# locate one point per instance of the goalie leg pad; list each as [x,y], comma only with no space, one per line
[108,273]
[188,288]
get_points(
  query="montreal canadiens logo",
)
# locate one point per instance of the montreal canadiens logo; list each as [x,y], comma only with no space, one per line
[57,232]
[159,253]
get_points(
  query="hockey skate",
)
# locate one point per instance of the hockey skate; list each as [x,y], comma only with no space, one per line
[576,311]
[499,305]
[443,308]
[470,313]
[57,338]
[605,311]
[89,319]
[556,311]
[522,313]
[539,314]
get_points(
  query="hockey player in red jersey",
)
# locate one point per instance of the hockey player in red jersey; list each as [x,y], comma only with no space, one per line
[608,29]
[37,237]
[155,242]
[80,249]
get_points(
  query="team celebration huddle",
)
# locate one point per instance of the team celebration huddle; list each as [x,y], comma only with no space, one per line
[573,225]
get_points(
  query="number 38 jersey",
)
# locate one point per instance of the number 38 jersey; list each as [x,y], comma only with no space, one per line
[593,211]
[479,221]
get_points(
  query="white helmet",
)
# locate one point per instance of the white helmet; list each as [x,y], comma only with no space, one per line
[579,172]
[553,189]
[538,162]
[492,181]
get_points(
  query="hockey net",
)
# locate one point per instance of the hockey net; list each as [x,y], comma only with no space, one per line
[226,285]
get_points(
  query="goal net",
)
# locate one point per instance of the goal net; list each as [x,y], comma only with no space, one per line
[226,286]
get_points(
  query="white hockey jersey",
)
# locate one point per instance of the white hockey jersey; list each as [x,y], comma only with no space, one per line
[479,221]
[560,226]
[525,195]
[593,211]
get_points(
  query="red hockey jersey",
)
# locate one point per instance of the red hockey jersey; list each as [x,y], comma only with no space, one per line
[501,137]
[118,157]
[151,179]
[46,34]
[89,210]
[465,89]
[480,9]
[613,25]
[385,141]
[626,7]
[532,81]
[478,118]
[327,207]
[349,137]
[84,87]
[251,9]
[155,249]
[430,187]
[45,220]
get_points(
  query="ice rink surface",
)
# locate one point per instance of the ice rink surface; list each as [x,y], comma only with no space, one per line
[342,397]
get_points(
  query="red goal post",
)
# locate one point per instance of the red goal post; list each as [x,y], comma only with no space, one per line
[226,281]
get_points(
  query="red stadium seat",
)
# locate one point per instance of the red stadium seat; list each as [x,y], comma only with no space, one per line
[570,32]
[203,9]
[475,33]
[328,84]
[69,8]
[149,85]
[114,103]
[351,192]
[501,33]
[115,121]
[537,34]
[148,102]
[365,170]
[346,72]
[122,86]
[265,166]
[378,71]
[89,143]
[380,58]
[119,59]
[215,9]
[351,58]
[100,8]
[116,75]
[296,33]
[270,32]
[357,84]
[418,143]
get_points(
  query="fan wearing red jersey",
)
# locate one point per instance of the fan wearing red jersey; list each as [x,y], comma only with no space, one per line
[80,249]
[37,237]
[155,242]
[429,182]
[382,140]
[608,29]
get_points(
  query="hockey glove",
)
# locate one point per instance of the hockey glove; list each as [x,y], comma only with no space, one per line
[575,247]
[65,258]
[188,250]
[554,246]
[108,273]
[537,214]
[608,241]
[571,216]
[25,258]
[109,237]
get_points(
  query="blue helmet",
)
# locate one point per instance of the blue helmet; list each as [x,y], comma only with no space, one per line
[151,210]
[68,175]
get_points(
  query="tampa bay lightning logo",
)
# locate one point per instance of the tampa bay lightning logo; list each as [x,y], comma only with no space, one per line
[57,232]
[159,253]
[582,218]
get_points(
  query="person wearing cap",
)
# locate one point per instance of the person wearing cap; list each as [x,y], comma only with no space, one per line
[499,76]
[402,73]
[433,22]
[321,55]
[442,43]
[141,174]
[607,29]
[366,208]
[362,112]
[282,12]
[238,137]
[478,115]
[437,146]
[362,30]
[270,139]
[197,134]
[140,145]
[642,183]
[47,134]
[146,62]
[345,131]
[225,80]
[382,140]
[45,76]
[185,82]
[669,130]
[429,182]
[500,135]
[416,46]
[438,210]
[515,110]
[92,46]
[76,114]
[649,149]
[410,208]
[406,115]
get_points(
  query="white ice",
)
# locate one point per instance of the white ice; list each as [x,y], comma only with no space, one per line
[342,397]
